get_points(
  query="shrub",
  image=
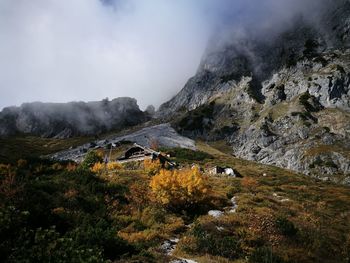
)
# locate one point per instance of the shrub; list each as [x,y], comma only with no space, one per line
[264,255]
[91,158]
[98,168]
[152,167]
[286,227]
[49,246]
[138,195]
[113,166]
[217,244]
[132,165]
[179,188]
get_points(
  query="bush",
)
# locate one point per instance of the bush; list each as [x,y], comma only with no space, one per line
[138,195]
[152,167]
[264,255]
[286,227]
[113,166]
[49,246]
[91,158]
[98,168]
[216,244]
[179,189]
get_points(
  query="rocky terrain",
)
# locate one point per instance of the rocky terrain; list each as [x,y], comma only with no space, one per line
[163,134]
[63,120]
[282,100]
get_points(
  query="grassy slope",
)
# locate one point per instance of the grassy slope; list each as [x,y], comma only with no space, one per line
[14,148]
[319,211]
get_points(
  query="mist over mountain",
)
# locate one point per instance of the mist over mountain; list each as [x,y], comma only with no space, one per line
[117,48]
[273,81]
[278,95]
[63,120]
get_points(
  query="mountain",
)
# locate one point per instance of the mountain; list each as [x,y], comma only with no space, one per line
[280,98]
[63,120]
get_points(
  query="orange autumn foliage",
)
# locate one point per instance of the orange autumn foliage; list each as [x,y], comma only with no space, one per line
[179,187]
[112,166]
[98,168]
[152,167]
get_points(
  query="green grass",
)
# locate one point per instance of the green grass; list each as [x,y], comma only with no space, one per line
[186,155]
[14,148]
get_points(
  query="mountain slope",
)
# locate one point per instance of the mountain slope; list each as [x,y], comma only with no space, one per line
[283,101]
[62,120]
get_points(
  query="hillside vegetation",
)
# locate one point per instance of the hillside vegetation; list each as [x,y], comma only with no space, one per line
[64,212]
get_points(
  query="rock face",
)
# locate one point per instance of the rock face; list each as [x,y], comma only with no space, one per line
[62,120]
[284,101]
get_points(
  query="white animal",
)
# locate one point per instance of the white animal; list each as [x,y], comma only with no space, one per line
[229,171]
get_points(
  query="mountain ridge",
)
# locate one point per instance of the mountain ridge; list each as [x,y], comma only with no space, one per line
[63,120]
[276,101]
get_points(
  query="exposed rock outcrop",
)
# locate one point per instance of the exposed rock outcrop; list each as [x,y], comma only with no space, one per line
[164,135]
[283,101]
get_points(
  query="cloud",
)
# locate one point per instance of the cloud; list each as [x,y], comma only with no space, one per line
[56,50]
[64,50]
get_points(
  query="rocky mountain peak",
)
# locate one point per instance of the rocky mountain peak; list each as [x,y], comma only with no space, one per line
[276,97]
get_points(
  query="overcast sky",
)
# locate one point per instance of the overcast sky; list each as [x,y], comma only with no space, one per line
[65,50]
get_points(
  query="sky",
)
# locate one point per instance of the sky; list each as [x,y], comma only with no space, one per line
[87,50]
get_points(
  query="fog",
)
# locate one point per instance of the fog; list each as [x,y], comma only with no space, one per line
[85,50]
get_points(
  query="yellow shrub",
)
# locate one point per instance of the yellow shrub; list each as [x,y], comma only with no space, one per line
[98,168]
[112,166]
[152,167]
[179,187]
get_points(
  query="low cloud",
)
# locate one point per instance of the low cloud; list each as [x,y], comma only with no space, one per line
[65,50]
